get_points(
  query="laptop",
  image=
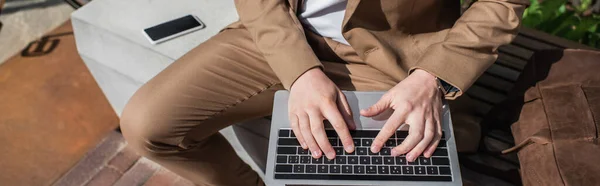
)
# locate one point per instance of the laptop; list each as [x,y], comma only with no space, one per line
[289,164]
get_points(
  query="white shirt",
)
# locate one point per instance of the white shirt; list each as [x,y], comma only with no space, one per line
[324,17]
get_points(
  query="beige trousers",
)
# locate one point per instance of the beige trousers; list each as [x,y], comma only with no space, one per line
[174,119]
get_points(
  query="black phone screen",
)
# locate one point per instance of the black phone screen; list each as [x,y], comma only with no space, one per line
[172,27]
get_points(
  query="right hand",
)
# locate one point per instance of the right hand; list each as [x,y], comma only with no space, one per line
[313,99]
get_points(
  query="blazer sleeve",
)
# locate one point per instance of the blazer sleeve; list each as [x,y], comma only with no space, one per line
[279,37]
[471,45]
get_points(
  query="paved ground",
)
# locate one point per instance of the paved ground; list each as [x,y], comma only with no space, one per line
[51,111]
[113,163]
[26,20]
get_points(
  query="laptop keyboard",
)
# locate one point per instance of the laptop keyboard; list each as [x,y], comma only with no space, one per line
[293,162]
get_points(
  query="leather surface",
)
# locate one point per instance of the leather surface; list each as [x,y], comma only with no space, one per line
[558,125]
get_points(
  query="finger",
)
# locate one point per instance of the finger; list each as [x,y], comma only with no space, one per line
[429,135]
[308,137]
[296,129]
[415,135]
[343,106]
[318,132]
[388,129]
[377,108]
[433,145]
[332,114]
[438,134]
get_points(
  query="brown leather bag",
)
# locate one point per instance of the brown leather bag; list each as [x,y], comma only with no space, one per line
[557,129]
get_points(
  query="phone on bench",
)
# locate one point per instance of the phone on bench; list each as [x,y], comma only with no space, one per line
[173,28]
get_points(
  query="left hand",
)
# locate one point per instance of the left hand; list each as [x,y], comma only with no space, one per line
[416,101]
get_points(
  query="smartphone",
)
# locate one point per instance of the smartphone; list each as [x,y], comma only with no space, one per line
[173,28]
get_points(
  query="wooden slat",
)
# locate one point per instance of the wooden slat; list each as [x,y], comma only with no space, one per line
[533,44]
[554,40]
[495,83]
[485,94]
[482,107]
[516,51]
[503,72]
[511,61]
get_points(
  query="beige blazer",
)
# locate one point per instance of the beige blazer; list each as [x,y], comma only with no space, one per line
[393,36]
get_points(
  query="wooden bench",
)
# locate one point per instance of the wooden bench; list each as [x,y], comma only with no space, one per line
[492,88]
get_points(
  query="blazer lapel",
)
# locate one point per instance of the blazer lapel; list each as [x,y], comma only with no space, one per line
[294,4]
[350,8]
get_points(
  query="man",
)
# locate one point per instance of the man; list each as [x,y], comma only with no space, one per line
[315,49]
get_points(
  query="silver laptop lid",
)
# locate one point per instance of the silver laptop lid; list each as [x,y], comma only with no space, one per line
[357,101]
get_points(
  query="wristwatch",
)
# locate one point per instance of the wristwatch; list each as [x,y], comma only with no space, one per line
[446,87]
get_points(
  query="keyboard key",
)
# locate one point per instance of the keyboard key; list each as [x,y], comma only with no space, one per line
[432,170]
[359,169]
[356,142]
[347,169]
[399,141]
[331,133]
[364,133]
[385,151]
[365,160]
[283,168]
[396,170]
[288,141]
[351,153]
[311,169]
[298,168]
[338,150]
[317,160]
[442,143]
[373,177]
[372,169]
[400,160]
[440,152]
[293,159]
[282,159]
[333,142]
[328,161]
[334,169]
[284,133]
[352,159]
[367,142]
[390,143]
[362,151]
[383,169]
[377,160]
[401,134]
[416,162]
[302,151]
[286,150]
[323,169]
[424,161]
[372,153]
[340,160]
[305,159]
[292,134]
[407,170]
[445,170]
[388,160]
[420,170]
[440,161]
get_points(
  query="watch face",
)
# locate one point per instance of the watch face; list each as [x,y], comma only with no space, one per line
[447,87]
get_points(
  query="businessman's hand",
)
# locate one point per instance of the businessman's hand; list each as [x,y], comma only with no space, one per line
[416,101]
[313,99]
